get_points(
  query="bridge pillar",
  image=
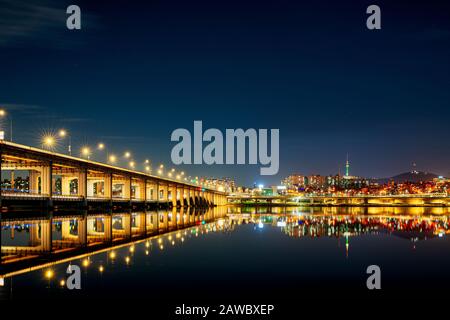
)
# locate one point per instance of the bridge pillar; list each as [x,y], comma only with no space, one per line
[46,180]
[126,191]
[33,181]
[108,186]
[174,195]
[82,183]
[158,195]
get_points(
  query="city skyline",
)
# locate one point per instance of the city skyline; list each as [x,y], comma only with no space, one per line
[130,83]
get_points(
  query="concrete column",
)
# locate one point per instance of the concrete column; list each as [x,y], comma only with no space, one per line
[65,185]
[34,181]
[174,195]
[108,186]
[126,191]
[82,183]
[143,190]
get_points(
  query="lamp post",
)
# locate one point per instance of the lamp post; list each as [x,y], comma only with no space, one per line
[63,133]
[86,152]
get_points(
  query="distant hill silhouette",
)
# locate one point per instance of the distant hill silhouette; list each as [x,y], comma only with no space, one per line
[413,176]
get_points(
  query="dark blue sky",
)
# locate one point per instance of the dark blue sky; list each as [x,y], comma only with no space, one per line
[140,69]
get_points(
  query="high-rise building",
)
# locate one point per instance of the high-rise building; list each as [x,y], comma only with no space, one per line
[347,167]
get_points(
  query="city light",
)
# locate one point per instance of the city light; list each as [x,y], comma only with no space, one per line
[147,161]
[101,146]
[112,159]
[48,141]
[86,152]
[62,133]
[132,164]
[127,154]
[147,168]
[2,112]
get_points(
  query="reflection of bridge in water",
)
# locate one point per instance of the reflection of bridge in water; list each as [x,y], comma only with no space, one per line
[56,180]
[46,238]
[433,199]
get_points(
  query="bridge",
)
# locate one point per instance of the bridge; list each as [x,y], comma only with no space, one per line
[432,199]
[57,179]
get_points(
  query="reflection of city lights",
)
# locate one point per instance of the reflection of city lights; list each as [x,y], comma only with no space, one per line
[147,244]
[101,269]
[127,259]
[132,249]
[62,283]
[112,255]
[85,262]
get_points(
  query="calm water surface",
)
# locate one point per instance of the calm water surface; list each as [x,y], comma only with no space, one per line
[241,254]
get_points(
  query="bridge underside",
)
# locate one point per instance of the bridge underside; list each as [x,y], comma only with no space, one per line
[32,177]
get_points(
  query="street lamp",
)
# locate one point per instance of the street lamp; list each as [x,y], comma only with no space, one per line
[48,142]
[62,134]
[112,159]
[132,164]
[86,152]
[127,154]
[101,146]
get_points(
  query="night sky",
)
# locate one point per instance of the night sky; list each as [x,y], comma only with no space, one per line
[137,70]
